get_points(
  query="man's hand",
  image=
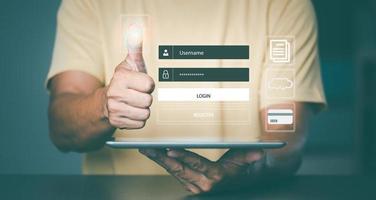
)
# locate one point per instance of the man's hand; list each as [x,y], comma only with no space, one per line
[199,174]
[83,113]
[127,98]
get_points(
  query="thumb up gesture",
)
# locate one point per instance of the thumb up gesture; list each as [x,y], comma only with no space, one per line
[128,96]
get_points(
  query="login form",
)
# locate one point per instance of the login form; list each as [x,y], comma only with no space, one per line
[195,81]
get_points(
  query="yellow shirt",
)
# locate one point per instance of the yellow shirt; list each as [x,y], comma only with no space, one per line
[89,39]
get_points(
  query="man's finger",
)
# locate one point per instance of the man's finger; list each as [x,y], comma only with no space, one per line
[235,160]
[126,123]
[193,160]
[136,80]
[189,186]
[172,165]
[140,82]
[124,110]
[178,169]
[242,156]
[136,98]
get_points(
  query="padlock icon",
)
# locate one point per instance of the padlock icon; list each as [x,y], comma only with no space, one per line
[165,74]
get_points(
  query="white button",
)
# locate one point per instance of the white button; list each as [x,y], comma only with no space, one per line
[203,94]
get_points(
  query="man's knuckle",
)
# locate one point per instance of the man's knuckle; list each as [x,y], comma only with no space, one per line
[187,188]
[113,92]
[149,83]
[140,124]
[119,72]
[216,174]
[109,92]
[148,100]
[146,114]
[118,68]
[122,67]
[111,106]
[113,121]
[198,165]
[177,170]
[217,177]
[207,185]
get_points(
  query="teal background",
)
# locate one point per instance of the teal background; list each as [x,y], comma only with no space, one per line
[27,31]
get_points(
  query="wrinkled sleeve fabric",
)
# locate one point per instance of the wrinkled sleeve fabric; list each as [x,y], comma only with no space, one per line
[295,19]
[78,42]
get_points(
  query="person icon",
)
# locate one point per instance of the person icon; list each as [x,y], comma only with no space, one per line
[165,53]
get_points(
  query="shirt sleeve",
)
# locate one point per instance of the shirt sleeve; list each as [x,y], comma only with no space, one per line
[78,43]
[296,21]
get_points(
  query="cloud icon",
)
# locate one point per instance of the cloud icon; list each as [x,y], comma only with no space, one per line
[280,84]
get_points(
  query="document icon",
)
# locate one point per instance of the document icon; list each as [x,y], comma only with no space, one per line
[280,51]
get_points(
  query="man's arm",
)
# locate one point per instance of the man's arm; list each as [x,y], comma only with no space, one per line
[76,112]
[83,113]
[199,174]
[287,160]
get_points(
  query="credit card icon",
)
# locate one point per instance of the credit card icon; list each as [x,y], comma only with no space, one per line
[280,116]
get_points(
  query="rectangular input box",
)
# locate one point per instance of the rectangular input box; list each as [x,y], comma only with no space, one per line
[203,52]
[203,94]
[190,114]
[203,74]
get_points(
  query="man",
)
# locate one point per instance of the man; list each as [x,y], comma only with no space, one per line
[93,96]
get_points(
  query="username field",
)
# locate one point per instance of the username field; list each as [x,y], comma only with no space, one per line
[203,51]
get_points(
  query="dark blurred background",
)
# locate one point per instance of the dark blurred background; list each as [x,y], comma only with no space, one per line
[341,141]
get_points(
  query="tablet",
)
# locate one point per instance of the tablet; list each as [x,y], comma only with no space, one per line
[195,144]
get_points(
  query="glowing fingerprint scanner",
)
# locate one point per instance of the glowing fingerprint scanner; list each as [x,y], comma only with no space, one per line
[134,37]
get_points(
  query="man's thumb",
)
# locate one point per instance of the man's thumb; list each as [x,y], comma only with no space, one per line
[134,42]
